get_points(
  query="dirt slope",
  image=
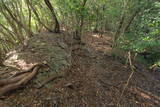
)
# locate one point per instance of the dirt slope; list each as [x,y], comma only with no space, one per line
[95,79]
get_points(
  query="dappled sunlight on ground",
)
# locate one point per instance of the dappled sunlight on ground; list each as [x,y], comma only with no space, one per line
[98,42]
[13,60]
[94,79]
[96,35]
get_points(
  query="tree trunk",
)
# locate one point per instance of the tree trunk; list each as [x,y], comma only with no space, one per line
[19,23]
[12,24]
[37,16]
[118,30]
[57,26]
[11,33]
[29,16]
[132,19]
[78,32]
[82,17]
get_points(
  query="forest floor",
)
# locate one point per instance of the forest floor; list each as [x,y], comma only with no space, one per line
[95,79]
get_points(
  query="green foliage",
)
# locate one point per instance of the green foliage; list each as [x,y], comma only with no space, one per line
[144,33]
[139,31]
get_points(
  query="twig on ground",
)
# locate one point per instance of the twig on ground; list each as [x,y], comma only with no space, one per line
[130,76]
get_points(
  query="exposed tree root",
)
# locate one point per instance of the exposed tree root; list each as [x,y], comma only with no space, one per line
[146,94]
[19,80]
[4,72]
[12,80]
[28,70]
[48,80]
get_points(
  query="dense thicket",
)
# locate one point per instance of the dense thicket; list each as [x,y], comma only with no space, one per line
[134,24]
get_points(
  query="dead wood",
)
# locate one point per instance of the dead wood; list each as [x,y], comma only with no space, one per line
[23,81]
[48,80]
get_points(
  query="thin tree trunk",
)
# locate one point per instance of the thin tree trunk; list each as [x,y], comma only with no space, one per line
[119,29]
[78,32]
[16,13]
[57,26]
[11,33]
[82,17]
[9,39]
[97,17]
[37,16]
[1,56]
[29,16]
[12,24]
[132,19]
[16,20]
[118,32]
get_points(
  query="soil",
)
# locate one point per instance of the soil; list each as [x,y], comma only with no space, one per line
[95,79]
